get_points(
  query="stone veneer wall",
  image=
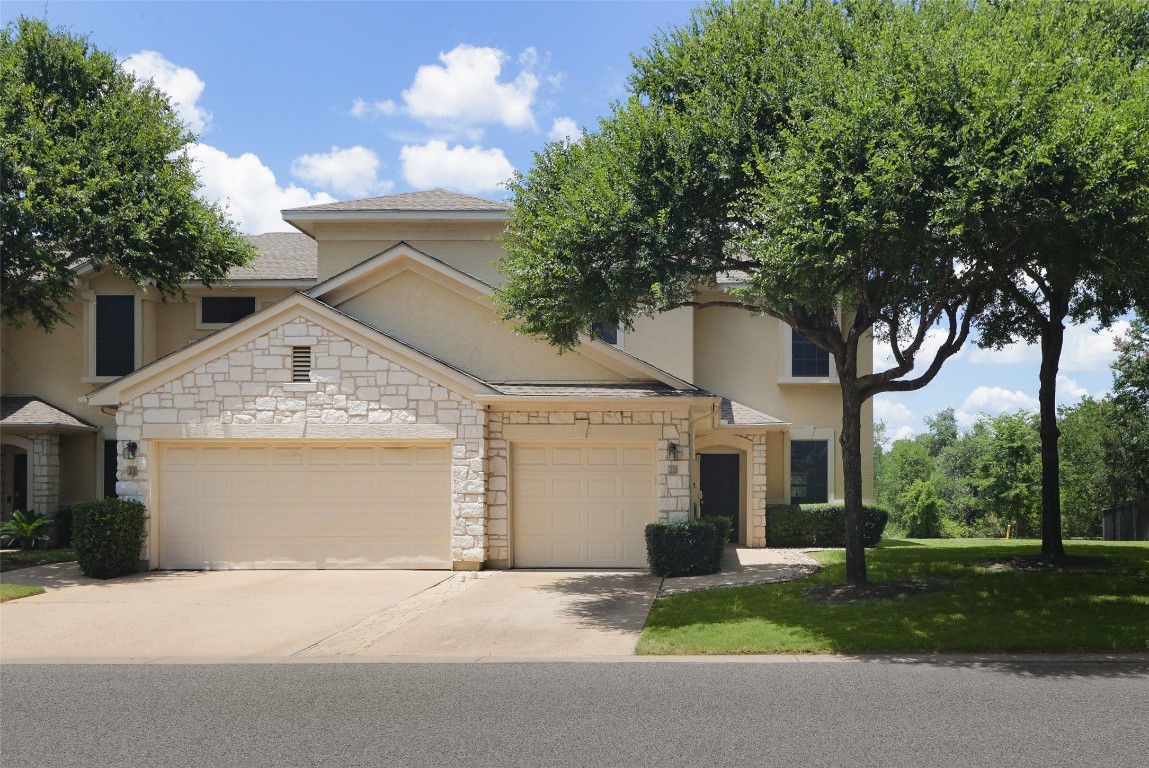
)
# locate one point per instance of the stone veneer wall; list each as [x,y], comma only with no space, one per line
[758,496]
[350,385]
[44,461]
[673,484]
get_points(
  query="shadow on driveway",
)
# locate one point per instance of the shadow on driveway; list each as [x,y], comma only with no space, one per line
[615,600]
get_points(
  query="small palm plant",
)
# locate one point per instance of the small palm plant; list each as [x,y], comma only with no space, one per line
[25,529]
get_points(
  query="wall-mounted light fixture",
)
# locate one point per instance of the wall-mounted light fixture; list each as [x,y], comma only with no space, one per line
[672,451]
[130,448]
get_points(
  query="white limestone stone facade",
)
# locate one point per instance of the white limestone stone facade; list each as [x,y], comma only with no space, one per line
[350,386]
[758,495]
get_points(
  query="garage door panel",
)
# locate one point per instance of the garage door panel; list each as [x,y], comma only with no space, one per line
[582,505]
[298,506]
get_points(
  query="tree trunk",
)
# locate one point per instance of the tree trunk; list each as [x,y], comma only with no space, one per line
[1052,339]
[851,442]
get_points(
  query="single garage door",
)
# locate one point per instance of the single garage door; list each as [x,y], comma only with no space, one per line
[294,505]
[582,505]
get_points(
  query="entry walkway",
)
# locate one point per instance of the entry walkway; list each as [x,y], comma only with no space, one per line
[743,566]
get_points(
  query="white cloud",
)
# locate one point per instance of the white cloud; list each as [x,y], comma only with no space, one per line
[467,89]
[467,169]
[248,189]
[1069,391]
[903,433]
[994,401]
[370,110]
[353,171]
[564,128]
[891,412]
[182,85]
[935,337]
[1084,349]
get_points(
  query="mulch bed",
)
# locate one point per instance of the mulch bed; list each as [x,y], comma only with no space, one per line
[854,593]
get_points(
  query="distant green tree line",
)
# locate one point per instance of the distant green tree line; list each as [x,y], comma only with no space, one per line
[949,482]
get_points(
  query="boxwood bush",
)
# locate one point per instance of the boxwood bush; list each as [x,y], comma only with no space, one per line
[690,548]
[820,525]
[108,535]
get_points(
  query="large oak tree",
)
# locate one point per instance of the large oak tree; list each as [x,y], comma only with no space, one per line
[93,169]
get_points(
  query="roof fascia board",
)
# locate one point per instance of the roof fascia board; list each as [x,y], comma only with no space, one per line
[500,402]
[383,266]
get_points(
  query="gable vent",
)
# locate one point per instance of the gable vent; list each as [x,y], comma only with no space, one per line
[301,364]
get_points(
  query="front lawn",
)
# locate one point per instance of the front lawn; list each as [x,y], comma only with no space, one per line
[974,596]
[26,558]
[13,591]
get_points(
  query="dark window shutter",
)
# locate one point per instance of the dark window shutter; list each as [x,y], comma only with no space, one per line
[225,309]
[115,335]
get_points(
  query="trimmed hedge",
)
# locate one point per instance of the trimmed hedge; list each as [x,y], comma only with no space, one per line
[108,535]
[690,548]
[820,525]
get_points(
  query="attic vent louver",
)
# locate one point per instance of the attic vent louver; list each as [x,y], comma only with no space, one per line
[301,364]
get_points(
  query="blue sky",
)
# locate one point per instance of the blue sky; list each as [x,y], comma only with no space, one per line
[301,102]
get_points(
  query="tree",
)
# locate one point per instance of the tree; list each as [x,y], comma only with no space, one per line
[1125,441]
[806,144]
[1085,489]
[1055,177]
[93,169]
[1007,473]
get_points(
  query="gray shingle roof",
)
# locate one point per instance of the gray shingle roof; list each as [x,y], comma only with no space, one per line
[429,200]
[25,411]
[737,414]
[282,256]
[638,389]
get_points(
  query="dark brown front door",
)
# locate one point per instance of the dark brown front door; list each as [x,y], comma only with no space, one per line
[718,487]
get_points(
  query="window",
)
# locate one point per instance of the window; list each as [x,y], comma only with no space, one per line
[224,310]
[115,335]
[806,359]
[809,471]
[605,331]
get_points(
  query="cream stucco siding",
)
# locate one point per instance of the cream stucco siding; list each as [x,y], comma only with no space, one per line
[470,247]
[665,340]
[466,333]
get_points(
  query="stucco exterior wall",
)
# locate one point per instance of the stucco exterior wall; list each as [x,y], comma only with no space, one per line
[665,340]
[466,334]
[354,394]
[469,246]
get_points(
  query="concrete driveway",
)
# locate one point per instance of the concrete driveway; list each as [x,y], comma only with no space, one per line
[188,616]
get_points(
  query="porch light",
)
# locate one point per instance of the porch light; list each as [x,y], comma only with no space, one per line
[672,451]
[130,449]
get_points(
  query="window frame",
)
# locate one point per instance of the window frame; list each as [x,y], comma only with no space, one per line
[91,298]
[786,361]
[203,326]
[818,435]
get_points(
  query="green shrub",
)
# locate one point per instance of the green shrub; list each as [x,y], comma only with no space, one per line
[108,535]
[690,548]
[26,529]
[922,511]
[63,520]
[820,525]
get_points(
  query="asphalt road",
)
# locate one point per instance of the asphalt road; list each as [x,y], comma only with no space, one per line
[576,714]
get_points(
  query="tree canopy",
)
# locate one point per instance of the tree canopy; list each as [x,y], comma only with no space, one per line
[845,158]
[93,169]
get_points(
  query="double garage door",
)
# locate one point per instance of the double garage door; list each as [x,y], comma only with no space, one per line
[225,505]
[294,505]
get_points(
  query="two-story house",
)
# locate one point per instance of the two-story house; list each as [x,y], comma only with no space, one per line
[351,400]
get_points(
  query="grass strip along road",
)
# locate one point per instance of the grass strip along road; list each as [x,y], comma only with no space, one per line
[925,596]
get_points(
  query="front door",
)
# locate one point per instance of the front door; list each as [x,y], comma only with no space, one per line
[718,488]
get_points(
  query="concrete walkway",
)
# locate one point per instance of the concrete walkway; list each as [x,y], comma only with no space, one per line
[743,566]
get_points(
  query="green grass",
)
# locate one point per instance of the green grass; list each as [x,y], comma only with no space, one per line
[974,609]
[15,591]
[26,558]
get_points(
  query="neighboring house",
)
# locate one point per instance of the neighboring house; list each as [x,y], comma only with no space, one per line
[351,400]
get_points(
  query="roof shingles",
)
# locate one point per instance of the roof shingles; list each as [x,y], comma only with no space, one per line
[26,411]
[429,200]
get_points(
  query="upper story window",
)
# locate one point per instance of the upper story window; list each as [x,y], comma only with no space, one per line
[115,335]
[605,331]
[806,359]
[224,310]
